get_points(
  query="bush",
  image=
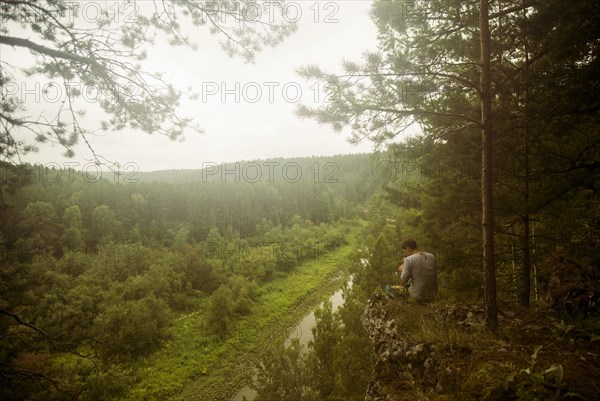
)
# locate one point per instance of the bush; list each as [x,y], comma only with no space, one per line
[132,328]
[574,289]
[505,382]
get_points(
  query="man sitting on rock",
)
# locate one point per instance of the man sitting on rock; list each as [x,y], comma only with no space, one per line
[419,272]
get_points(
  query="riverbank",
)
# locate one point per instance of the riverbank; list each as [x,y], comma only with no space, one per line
[302,332]
[193,367]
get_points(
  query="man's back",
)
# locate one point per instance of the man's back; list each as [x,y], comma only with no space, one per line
[421,270]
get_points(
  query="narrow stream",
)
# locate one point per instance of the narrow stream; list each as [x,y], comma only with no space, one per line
[303,332]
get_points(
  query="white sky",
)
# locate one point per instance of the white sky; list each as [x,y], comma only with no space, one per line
[243,130]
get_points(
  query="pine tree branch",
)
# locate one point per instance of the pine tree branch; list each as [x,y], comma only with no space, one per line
[419,112]
[26,43]
[22,322]
[512,9]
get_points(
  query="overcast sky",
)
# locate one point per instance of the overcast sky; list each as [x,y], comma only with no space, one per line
[255,118]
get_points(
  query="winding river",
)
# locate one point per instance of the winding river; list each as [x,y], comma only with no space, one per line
[303,332]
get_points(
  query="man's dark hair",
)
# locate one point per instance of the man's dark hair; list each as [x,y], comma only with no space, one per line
[409,243]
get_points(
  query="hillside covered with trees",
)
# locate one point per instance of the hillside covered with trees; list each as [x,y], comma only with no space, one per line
[95,272]
[183,284]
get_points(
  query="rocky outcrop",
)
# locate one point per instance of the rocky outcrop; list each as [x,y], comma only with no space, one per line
[402,363]
[441,352]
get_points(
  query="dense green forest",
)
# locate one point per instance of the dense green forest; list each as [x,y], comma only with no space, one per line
[94,272]
[126,285]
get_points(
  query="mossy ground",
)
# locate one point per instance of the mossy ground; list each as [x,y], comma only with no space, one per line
[521,362]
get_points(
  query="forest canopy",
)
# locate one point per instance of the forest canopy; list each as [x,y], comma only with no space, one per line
[485,117]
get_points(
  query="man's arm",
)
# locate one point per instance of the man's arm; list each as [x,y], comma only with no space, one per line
[406,271]
[401,266]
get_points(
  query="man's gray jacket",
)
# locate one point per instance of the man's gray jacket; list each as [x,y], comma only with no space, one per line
[421,272]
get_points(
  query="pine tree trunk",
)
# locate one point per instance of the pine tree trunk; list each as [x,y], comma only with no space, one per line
[525,295]
[489,281]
